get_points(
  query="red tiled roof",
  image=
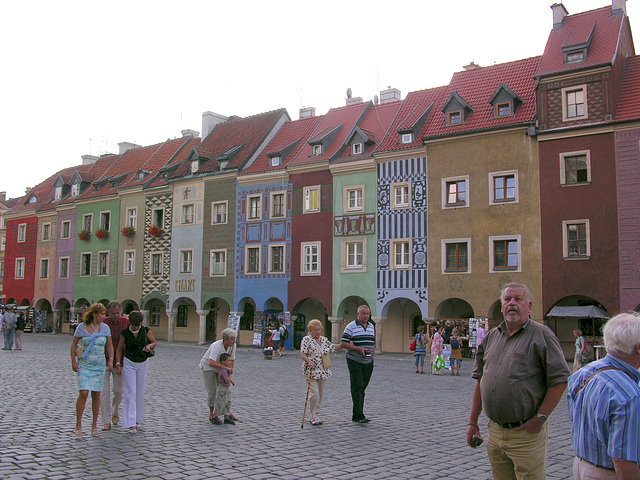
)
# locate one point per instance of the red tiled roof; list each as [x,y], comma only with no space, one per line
[413,108]
[575,29]
[247,133]
[292,131]
[344,118]
[476,87]
[629,97]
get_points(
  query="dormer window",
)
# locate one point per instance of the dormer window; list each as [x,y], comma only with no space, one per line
[316,150]
[406,138]
[503,109]
[574,57]
[454,118]
[357,149]
[57,193]
[223,164]
[75,189]
[275,161]
[140,175]
[32,199]
[194,166]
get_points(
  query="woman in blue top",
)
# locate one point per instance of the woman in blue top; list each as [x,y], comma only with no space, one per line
[580,360]
[90,339]
[420,352]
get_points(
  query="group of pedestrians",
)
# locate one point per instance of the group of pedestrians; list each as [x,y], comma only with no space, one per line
[98,346]
[12,328]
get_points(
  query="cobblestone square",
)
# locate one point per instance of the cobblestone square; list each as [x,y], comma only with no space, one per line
[417,431]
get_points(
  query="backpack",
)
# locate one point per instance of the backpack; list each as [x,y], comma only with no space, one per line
[284,333]
[588,351]
[455,344]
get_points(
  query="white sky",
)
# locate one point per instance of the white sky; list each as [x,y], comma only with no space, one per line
[80,76]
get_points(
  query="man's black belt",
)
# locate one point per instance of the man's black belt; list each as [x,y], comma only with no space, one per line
[511,425]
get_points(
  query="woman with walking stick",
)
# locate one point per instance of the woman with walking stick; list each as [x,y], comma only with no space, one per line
[314,351]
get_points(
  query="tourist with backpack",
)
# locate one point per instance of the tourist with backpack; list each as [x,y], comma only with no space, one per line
[279,335]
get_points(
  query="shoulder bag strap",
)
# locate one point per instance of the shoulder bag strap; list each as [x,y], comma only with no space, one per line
[584,383]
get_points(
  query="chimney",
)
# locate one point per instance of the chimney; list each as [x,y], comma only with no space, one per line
[189,133]
[306,112]
[209,121]
[89,159]
[27,190]
[472,66]
[126,146]
[559,12]
[390,95]
[619,6]
[3,196]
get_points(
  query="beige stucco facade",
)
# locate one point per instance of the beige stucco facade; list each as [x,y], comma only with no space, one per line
[478,158]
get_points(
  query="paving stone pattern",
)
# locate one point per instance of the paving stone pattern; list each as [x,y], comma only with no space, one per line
[417,431]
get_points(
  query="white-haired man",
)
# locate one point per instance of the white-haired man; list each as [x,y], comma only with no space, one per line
[604,405]
[210,366]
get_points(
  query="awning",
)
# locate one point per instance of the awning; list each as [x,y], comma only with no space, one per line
[588,311]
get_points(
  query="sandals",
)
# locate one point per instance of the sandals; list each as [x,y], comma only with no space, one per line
[115,419]
[95,432]
[106,426]
[133,430]
[78,433]
[316,421]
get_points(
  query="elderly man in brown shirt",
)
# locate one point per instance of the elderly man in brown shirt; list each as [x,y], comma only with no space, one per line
[522,374]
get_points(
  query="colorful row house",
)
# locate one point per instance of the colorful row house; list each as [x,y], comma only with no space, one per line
[421,208]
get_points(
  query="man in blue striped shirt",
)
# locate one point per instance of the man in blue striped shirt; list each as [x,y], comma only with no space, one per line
[604,405]
[359,339]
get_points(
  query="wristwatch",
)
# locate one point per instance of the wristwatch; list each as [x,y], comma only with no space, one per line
[542,417]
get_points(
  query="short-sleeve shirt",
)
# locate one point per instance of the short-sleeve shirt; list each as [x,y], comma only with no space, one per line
[436,344]
[515,371]
[363,337]
[213,353]
[223,377]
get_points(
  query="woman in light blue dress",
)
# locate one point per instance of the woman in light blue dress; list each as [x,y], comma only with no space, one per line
[91,339]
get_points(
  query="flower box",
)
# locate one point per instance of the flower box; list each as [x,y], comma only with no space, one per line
[84,235]
[101,233]
[155,231]
[128,232]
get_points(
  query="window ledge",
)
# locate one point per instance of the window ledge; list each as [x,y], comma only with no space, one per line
[577,184]
[586,257]
[456,272]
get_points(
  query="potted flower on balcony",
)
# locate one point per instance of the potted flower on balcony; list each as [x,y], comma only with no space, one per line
[128,232]
[102,233]
[155,231]
[84,235]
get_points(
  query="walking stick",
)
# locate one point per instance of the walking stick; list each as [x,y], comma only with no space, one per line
[307,400]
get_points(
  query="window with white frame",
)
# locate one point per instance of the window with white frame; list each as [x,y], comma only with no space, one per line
[252,260]
[44,268]
[576,239]
[63,267]
[357,149]
[132,217]
[22,232]
[19,268]
[105,220]
[156,263]
[575,168]
[354,254]
[87,220]
[401,253]
[354,198]
[186,260]
[275,161]
[129,262]
[154,317]
[574,103]
[505,253]
[188,214]
[455,191]
[316,150]
[85,264]
[219,212]
[311,199]
[456,255]
[103,263]
[400,195]
[65,229]
[3,243]
[254,206]
[503,187]
[406,138]
[75,189]
[157,217]
[276,258]
[57,193]
[46,231]
[218,263]
[278,204]
[310,264]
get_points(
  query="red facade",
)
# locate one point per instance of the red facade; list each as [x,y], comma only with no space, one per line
[20,290]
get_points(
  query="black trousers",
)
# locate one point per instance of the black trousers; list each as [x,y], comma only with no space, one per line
[359,374]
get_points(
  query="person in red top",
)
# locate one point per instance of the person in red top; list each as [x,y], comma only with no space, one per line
[117,324]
